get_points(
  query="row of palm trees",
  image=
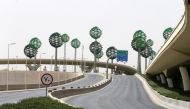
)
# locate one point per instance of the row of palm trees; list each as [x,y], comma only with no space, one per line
[56,40]
[144,47]
[96,48]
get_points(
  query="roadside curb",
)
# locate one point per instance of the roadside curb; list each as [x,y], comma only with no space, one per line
[158,99]
[58,95]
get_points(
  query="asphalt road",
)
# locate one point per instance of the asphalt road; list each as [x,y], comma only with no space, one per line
[124,92]
[89,79]
[16,96]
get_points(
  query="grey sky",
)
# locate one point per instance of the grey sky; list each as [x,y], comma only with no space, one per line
[20,20]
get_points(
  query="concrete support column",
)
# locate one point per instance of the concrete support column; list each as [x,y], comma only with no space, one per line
[185,78]
[158,78]
[163,80]
[165,72]
[170,83]
[169,80]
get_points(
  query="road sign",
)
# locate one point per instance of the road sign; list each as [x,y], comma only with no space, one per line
[46,79]
[122,55]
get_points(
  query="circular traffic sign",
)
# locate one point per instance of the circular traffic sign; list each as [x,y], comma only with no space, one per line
[46,79]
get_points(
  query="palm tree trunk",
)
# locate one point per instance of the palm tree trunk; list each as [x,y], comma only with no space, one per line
[145,63]
[139,62]
[64,66]
[55,68]
[75,60]
[112,68]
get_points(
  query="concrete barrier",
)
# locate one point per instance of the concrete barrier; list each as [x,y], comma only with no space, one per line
[70,92]
[166,102]
[32,79]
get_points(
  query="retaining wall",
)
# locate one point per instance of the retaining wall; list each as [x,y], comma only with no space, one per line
[32,79]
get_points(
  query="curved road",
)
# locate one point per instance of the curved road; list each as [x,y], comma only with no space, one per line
[124,92]
[89,79]
[16,96]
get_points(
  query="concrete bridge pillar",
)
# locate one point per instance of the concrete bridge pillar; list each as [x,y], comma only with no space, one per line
[170,82]
[185,78]
[158,78]
[163,80]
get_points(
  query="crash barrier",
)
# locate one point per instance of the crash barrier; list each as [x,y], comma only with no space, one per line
[79,90]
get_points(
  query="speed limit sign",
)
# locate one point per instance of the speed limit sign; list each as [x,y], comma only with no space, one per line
[46,79]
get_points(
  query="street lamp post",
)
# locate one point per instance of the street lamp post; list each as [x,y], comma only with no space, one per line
[51,62]
[82,60]
[113,55]
[115,69]
[8,65]
[16,62]
[41,60]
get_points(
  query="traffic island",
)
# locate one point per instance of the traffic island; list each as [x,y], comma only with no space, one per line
[38,103]
[78,90]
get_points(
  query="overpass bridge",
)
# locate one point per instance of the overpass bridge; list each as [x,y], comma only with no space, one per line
[172,62]
[128,70]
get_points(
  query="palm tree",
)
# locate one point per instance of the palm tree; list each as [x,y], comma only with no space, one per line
[36,43]
[153,54]
[65,39]
[167,33]
[147,51]
[95,33]
[111,53]
[99,55]
[95,49]
[30,51]
[55,41]
[75,43]
[138,44]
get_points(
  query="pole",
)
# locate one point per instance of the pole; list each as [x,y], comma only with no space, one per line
[139,62]
[8,70]
[64,66]
[95,57]
[107,68]
[112,68]
[98,67]
[55,68]
[82,63]
[40,62]
[51,62]
[145,63]
[16,62]
[75,60]
[46,91]
[25,76]
[7,86]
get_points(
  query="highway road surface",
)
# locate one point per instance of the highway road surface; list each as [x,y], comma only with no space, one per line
[124,92]
[16,96]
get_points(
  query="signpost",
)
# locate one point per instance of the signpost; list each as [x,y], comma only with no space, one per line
[46,79]
[122,55]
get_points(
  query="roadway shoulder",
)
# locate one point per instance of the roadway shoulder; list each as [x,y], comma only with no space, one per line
[158,99]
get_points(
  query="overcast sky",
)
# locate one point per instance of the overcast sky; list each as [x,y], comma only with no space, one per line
[21,20]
